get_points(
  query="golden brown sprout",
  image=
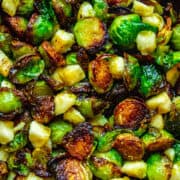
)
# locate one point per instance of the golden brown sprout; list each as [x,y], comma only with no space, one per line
[99,74]
[72,169]
[79,142]
[130,113]
[54,57]
[3,168]
[129,146]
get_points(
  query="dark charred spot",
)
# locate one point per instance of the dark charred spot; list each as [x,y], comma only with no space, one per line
[79,142]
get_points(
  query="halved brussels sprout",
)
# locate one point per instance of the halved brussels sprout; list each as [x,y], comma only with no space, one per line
[91,37]
[25,7]
[90,107]
[50,55]
[62,41]
[11,102]
[17,24]
[106,165]
[79,143]
[20,162]
[3,169]
[100,8]
[99,74]
[132,72]
[124,30]
[58,130]
[124,143]
[157,122]
[158,167]
[5,64]
[7,132]
[156,140]
[20,49]
[106,141]
[71,168]
[135,169]
[39,28]
[175,37]
[26,68]
[130,113]
[43,109]
[151,80]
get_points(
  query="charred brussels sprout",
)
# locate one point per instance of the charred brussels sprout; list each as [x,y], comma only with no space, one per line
[27,68]
[175,37]
[131,72]
[71,168]
[123,3]
[106,165]
[91,37]
[79,142]
[99,74]
[124,30]
[124,143]
[156,140]
[158,167]
[11,101]
[130,113]
[58,130]
[5,42]
[151,80]
[20,162]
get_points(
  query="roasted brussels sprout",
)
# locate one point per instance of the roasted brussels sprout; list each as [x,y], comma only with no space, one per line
[151,80]
[20,140]
[91,37]
[39,29]
[71,168]
[3,169]
[25,7]
[124,30]
[99,74]
[131,72]
[124,143]
[123,3]
[130,113]
[79,142]
[89,107]
[17,24]
[20,162]
[175,37]
[106,165]
[11,102]
[26,69]
[59,129]
[156,140]
[5,42]
[168,60]
[158,167]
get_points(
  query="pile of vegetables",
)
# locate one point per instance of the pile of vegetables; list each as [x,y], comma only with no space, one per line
[89,90]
